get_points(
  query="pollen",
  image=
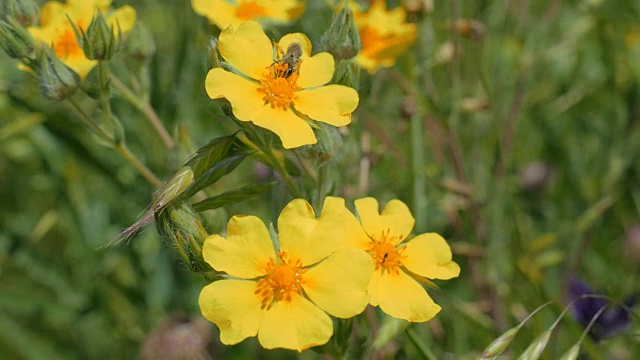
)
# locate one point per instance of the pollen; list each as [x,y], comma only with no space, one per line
[385,254]
[279,85]
[249,10]
[284,277]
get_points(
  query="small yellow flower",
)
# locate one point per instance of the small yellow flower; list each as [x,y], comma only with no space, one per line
[283,294]
[271,94]
[400,263]
[56,31]
[384,35]
[223,13]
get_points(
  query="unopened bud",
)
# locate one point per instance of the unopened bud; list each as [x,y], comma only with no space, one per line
[572,353]
[213,58]
[57,80]
[100,41]
[499,345]
[342,40]
[17,41]
[347,73]
[179,223]
[140,44]
[328,145]
[26,12]
[535,349]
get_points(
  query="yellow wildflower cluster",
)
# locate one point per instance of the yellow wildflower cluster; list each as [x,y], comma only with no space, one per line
[56,30]
[283,290]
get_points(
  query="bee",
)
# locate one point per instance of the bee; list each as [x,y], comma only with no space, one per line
[291,58]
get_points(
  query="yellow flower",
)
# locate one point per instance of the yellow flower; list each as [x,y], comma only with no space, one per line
[56,31]
[283,294]
[223,13]
[384,35]
[273,95]
[399,263]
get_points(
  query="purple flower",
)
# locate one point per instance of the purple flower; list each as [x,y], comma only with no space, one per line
[613,319]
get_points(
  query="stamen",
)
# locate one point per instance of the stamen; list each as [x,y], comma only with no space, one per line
[284,277]
[249,10]
[385,254]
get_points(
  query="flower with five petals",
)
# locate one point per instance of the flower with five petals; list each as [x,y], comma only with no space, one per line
[274,95]
[223,13]
[400,263]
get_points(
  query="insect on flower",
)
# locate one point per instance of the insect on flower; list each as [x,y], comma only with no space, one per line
[291,58]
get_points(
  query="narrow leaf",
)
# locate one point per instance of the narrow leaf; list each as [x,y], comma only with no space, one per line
[213,174]
[232,197]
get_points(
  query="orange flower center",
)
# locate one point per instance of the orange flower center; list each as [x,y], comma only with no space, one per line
[284,277]
[249,10]
[385,254]
[370,40]
[279,85]
[66,45]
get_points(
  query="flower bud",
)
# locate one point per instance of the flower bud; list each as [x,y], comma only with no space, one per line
[328,145]
[342,40]
[179,223]
[347,73]
[57,80]
[100,41]
[17,41]
[26,12]
[140,43]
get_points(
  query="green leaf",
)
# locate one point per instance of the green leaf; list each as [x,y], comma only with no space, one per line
[232,197]
[213,174]
[213,152]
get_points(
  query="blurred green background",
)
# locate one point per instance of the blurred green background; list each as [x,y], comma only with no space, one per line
[511,127]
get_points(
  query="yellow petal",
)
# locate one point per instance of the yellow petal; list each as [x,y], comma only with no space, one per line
[244,252]
[332,104]
[316,70]
[124,17]
[429,255]
[355,236]
[295,325]
[283,10]
[338,285]
[404,298]
[292,130]
[395,217]
[80,65]
[307,237]
[52,13]
[242,94]
[218,12]
[374,287]
[301,39]
[233,307]
[248,49]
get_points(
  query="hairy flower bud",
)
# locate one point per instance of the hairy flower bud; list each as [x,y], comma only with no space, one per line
[26,12]
[17,41]
[140,43]
[57,80]
[342,40]
[181,224]
[100,41]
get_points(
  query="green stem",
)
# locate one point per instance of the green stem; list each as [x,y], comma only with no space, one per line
[280,168]
[322,178]
[422,348]
[418,169]
[86,119]
[146,109]
[142,169]
[104,78]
